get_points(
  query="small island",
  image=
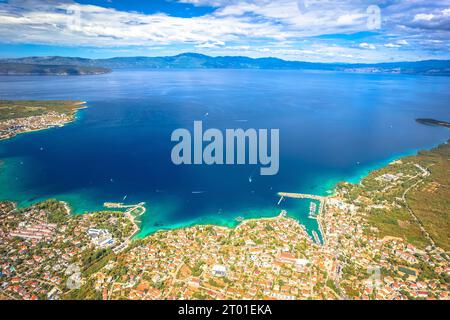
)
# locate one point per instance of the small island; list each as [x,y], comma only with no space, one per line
[433,122]
[25,116]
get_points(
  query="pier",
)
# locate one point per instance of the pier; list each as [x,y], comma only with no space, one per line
[305,196]
[301,196]
[130,208]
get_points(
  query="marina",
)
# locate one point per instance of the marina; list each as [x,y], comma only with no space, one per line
[313,212]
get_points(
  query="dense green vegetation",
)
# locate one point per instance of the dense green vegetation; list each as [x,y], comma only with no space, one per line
[93,260]
[56,211]
[120,228]
[11,109]
[397,223]
[197,269]
[430,201]
[427,197]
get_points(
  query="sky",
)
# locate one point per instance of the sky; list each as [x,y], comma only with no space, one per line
[304,30]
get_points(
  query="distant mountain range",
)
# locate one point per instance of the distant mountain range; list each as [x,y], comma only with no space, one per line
[199,61]
[22,69]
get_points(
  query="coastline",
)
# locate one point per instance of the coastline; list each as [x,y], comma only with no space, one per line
[234,224]
[72,118]
[311,262]
[282,215]
[354,180]
[325,189]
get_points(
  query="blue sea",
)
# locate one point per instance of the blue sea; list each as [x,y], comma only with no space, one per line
[333,127]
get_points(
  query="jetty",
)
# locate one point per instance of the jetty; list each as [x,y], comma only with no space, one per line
[305,196]
[300,196]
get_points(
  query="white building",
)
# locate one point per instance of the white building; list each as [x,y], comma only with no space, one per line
[219,270]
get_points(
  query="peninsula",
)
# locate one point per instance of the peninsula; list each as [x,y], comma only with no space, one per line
[433,122]
[25,116]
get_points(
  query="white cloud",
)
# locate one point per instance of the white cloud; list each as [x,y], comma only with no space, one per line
[309,52]
[257,27]
[392,45]
[366,45]
[352,19]
[215,44]
[397,44]
[423,17]
[68,23]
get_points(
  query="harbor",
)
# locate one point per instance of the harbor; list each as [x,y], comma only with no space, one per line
[305,196]
[316,207]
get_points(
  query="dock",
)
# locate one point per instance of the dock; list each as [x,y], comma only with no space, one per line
[121,205]
[305,196]
[301,196]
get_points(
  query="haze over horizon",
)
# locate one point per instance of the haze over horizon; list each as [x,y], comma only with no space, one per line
[298,30]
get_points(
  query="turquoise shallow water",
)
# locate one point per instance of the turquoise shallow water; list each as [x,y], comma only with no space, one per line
[333,127]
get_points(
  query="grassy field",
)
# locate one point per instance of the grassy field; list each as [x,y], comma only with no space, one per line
[10,109]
